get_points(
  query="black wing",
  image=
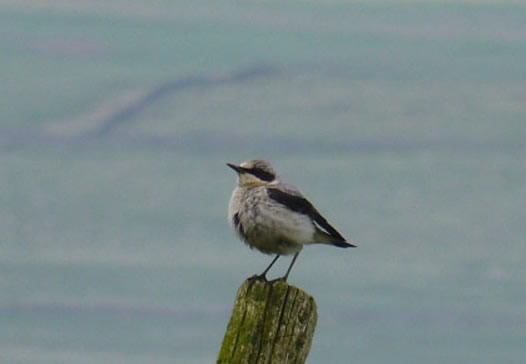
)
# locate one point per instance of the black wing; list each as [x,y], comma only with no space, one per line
[303,206]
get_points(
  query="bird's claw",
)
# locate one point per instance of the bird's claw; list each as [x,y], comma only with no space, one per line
[263,278]
[258,277]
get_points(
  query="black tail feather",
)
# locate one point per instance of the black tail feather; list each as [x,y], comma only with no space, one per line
[344,244]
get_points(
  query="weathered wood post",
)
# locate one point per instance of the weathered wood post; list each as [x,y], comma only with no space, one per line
[272,323]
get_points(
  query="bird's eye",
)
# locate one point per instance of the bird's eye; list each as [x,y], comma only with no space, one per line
[262,175]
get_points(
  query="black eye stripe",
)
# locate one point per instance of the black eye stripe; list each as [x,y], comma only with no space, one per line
[261,174]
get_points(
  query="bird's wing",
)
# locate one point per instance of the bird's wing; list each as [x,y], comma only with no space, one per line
[291,198]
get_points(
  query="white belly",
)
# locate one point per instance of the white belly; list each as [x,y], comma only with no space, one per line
[268,226]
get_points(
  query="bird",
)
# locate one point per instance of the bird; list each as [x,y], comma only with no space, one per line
[274,217]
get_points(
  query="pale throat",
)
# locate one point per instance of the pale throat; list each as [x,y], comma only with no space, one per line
[249,181]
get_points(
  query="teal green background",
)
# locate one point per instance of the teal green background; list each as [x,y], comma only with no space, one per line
[403,122]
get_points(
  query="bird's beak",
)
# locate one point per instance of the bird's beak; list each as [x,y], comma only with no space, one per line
[238,169]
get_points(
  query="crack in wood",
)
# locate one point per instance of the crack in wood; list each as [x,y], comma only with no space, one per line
[263,324]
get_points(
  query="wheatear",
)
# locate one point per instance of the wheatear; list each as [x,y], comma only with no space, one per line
[274,217]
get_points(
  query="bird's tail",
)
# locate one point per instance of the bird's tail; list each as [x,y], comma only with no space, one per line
[324,238]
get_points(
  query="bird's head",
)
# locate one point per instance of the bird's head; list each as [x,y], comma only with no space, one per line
[254,173]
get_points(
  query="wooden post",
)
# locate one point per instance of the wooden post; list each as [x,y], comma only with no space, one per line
[272,323]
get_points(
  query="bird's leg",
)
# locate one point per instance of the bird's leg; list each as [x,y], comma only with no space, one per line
[284,278]
[263,276]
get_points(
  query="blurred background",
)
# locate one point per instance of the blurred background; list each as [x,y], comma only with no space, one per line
[403,121]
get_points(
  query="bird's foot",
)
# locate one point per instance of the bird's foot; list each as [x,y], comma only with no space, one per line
[258,277]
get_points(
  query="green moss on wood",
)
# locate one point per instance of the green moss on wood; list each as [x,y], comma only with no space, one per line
[271,323]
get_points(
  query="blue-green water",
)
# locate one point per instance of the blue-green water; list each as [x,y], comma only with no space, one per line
[404,123]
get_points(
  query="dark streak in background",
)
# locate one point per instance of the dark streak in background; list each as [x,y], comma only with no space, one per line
[172,87]
[11,138]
